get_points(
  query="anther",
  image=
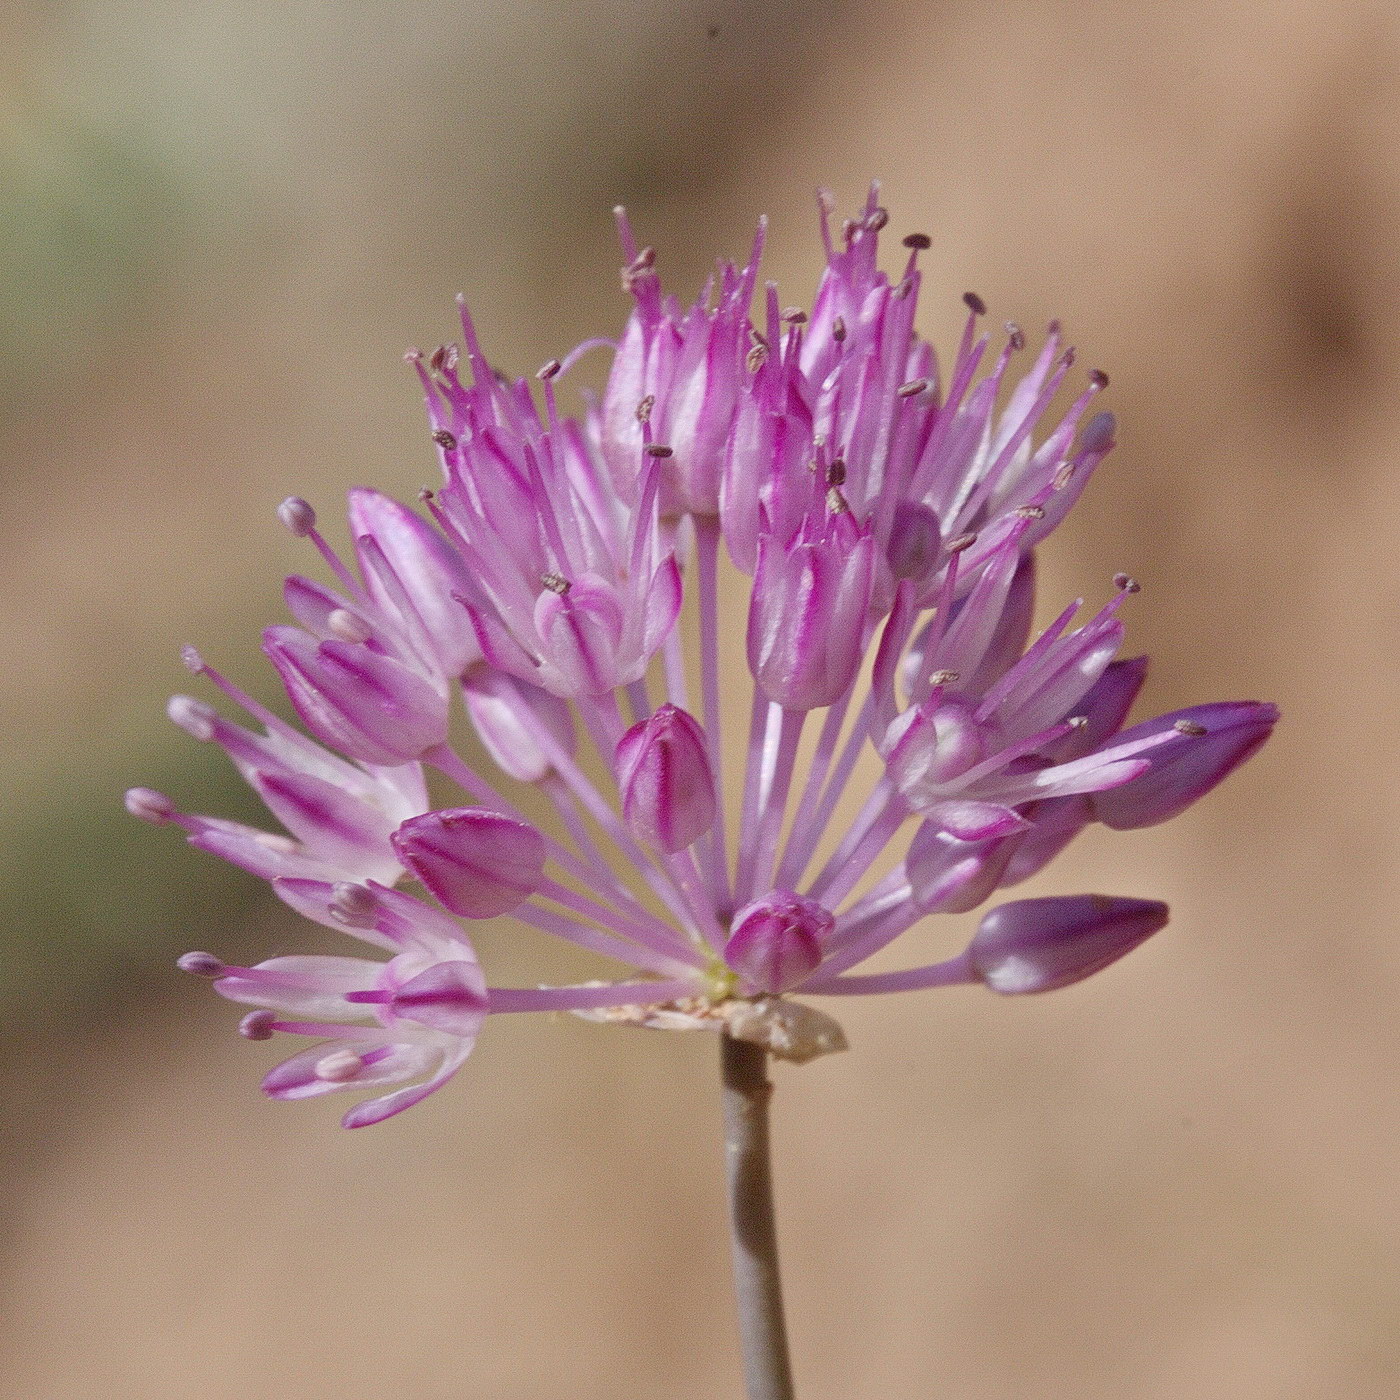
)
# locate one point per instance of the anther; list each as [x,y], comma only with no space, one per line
[191,660]
[426,495]
[148,805]
[1078,721]
[913,387]
[193,716]
[200,965]
[348,626]
[826,201]
[1030,512]
[645,407]
[1069,357]
[556,583]
[1098,377]
[1189,726]
[876,219]
[836,502]
[445,440]
[838,329]
[1061,479]
[974,303]
[961,542]
[1126,583]
[795,316]
[836,472]
[756,358]
[413,355]
[658,449]
[339,1067]
[297,515]
[257,1025]
[1018,336]
[644,261]
[944,677]
[917,241]
[353,905]
[548,370]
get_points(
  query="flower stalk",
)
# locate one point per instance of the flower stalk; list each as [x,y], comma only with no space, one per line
[758,1288]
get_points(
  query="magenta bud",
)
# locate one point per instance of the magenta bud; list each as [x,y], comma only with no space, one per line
[477,863]
[1037,945]
[663,774]
[297,515]
[200,965]
[148,805]
[1214,741]
[778,941]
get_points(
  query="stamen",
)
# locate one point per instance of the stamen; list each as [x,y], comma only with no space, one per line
[1125,583]
[945,677]
[835,473]
[917,241]
[148,805]
[353,905]
[548,370]
[192,661]
[339,1067]
[1098,377]
[1078,721]
[556,583]
[348,626]
[297,515]
[645,407]
[913,387]
[257,1025]
[193,716]
[1189,726]
[795,316]
[445,440]
[974,303]
[961,542]
[838,329]
[657,449]
[836,502]
[1018,336]
[876,219]
[756,358]
[201,965]
[1030,512]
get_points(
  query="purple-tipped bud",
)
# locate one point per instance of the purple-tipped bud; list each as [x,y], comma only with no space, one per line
[778,941]
[200,965]
[663,774]
[478,863]
[362,702]
[297,515]
[1215,740]
[1037,945]
[148,805]
[807,618]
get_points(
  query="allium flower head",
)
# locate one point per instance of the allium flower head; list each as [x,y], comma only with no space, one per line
[886,511]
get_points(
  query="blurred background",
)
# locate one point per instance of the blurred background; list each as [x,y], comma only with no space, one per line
[221,225]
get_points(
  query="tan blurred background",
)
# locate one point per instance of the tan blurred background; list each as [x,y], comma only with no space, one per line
[221,225]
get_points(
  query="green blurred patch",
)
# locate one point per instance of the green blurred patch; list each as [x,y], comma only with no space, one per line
[87,225]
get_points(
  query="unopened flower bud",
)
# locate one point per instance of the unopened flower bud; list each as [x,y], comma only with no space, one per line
[778,941]
[476,862]
[1219,738]
[1037,945]
[663,774]
[807,618]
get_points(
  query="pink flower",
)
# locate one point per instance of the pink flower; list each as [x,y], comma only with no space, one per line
[886,511]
